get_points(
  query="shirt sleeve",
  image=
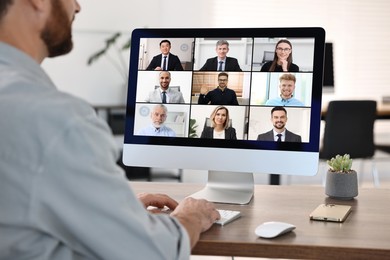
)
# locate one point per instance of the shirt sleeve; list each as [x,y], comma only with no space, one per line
[82,200]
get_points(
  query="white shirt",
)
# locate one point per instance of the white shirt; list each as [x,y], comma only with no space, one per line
[283,137]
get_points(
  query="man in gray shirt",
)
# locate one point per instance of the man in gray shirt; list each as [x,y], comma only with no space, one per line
[62,196]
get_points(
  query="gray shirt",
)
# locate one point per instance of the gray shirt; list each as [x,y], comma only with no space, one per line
[62,196]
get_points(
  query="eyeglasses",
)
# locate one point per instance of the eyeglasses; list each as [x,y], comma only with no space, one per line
[222,80]
[285,49]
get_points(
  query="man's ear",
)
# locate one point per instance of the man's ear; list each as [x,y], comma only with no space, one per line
[39,4]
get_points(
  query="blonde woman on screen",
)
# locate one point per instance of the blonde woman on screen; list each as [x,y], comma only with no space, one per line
[220,128]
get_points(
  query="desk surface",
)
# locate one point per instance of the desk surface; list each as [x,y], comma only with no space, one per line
[364,235]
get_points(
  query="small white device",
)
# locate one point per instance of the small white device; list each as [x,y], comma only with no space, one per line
[273,229]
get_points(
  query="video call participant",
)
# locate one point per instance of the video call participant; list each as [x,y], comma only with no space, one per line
[279,133]
[60,187]
[157,128]
[221,62]
[287,88]
[165,60]
[221,95]
[283,61]
[165,94]
[220,128]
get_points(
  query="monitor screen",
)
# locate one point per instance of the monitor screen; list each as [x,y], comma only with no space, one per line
[197,99]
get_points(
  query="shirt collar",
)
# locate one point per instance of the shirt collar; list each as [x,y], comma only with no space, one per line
[15,58]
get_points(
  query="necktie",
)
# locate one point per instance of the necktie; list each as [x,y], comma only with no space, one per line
[279,137]
[164,97]
[165,63]
[220,66]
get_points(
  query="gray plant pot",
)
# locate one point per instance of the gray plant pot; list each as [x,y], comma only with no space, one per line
[343,186]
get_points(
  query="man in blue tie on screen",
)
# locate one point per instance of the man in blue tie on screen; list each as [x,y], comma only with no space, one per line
[164,94]
[165,60]
[221,62]
[62,195]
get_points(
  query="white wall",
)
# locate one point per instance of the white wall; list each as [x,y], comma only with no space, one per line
[359,30]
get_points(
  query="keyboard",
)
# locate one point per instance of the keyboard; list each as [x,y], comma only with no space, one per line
[227,216]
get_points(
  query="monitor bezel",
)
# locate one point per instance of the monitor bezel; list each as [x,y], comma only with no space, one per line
[315,117]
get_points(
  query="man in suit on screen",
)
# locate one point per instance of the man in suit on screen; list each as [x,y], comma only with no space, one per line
[279,133]
[165,60]
[165,94]
[221,62]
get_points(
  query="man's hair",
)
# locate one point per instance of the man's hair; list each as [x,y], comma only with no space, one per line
[223,74]
[161,72]
[165,41]
[4,4]
[278,109]
[160,106]
[288,76]
[222,42]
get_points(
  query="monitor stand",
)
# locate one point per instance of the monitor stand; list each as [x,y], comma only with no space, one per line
[227,187]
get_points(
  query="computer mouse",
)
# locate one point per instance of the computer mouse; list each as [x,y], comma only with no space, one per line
[273,229]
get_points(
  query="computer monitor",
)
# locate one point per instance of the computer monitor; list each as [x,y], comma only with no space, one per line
[230,162]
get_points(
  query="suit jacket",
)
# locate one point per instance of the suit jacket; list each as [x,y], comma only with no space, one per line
[174,96]
[173,62]
[230,133]
[212,64]
[269,136]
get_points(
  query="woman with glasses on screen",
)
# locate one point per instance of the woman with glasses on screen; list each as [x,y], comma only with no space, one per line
[282,59]
[220,128]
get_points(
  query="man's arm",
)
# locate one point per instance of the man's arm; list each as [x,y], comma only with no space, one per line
[181,99]
[176,63]
[196,216]
[235,101]
[237,66]
[153,64]
[66,186]
[208,65]
[204,96]
[203,99]
[232,64]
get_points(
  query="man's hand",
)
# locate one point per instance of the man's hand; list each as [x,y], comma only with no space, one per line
[159,201]
[196,216]
[203,90]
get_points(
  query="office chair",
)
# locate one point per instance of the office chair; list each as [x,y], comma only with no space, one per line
[349,128]
[268,56]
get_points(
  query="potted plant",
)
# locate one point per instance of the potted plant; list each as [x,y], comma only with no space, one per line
[193,127]
[341,180]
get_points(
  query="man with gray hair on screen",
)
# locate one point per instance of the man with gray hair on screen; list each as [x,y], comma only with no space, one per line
[221,62]
[157,128]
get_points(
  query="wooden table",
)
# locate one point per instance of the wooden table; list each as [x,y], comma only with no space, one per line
[364,235]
